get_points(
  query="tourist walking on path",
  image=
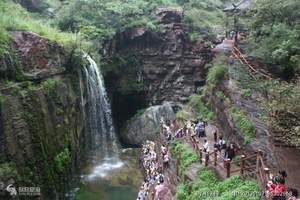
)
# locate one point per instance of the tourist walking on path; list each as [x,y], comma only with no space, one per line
[230,152]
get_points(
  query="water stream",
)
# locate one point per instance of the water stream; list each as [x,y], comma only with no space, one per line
[109,172]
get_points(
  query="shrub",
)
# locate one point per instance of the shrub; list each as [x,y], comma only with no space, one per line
[275,34]
[8,170]
[221,95]
[246,93]
[243,123]
[201,108]
[50,84]
[181,193]
[62,160]
[187,155]
[209,187]
[216,73]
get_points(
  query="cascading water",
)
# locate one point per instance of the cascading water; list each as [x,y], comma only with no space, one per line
[101,140]
[107,172]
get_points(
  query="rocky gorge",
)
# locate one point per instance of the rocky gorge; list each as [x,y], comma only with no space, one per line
[47,125]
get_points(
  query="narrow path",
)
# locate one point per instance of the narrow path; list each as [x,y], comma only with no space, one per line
[219,169]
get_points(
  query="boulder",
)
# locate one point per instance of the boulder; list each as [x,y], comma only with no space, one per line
[146,126]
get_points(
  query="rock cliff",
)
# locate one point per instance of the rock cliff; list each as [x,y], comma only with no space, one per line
[41,121]
[169,66]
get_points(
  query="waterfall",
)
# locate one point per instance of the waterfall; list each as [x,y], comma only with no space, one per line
[101,134]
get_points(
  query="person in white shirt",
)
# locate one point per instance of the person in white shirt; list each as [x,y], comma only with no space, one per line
[205,146]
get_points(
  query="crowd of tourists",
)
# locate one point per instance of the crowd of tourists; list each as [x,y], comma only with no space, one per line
[153,167]
[277,189]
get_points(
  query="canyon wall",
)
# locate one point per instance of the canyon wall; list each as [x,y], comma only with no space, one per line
[169,65]
[41,121]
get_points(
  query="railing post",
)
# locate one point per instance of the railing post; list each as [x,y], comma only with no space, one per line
[215,156]
[206,158]
[200,155]
[259,154]
[243,157]
[227,166]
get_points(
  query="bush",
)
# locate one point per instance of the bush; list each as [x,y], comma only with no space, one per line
[209,187]
[50,84]
[275,34]
[246,93]
[203,111]
[15,17]
[187,155]
[8,170]
[243,123]
[181,193]
[216,73]
[62,160]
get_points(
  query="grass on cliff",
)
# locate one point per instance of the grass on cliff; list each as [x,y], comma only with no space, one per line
[243,123]
[14,17]
[210,187]
[186,155]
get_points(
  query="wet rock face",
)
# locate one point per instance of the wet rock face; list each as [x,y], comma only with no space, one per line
[39,57]
[39,120]
[171,65]
[145,127]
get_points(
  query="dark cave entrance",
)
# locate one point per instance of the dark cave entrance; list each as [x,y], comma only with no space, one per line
[125,106]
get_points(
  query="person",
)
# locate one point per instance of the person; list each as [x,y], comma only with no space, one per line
[160,178]
[293,194]
[276,188]
[159,190]
[163,150]
[221,143]
[141,194]
[205,146]
[166,160]
[230,152]
[179,133]
[282,174]
[200,129]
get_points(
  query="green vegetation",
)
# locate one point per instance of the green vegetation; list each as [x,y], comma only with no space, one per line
[187,155]
[202,109]
[205,17]
[243,123]
[275,33]
[50,84]
[209,187]
[8,170]
[279,103]
[62,160]
[221,95]
[102,19]
[14,17]
[217,71]
[2,99]
[246,93]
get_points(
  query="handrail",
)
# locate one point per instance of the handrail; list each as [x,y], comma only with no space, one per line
[215,159]
[238,54]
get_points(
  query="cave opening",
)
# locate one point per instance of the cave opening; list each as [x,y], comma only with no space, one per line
[125,106]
